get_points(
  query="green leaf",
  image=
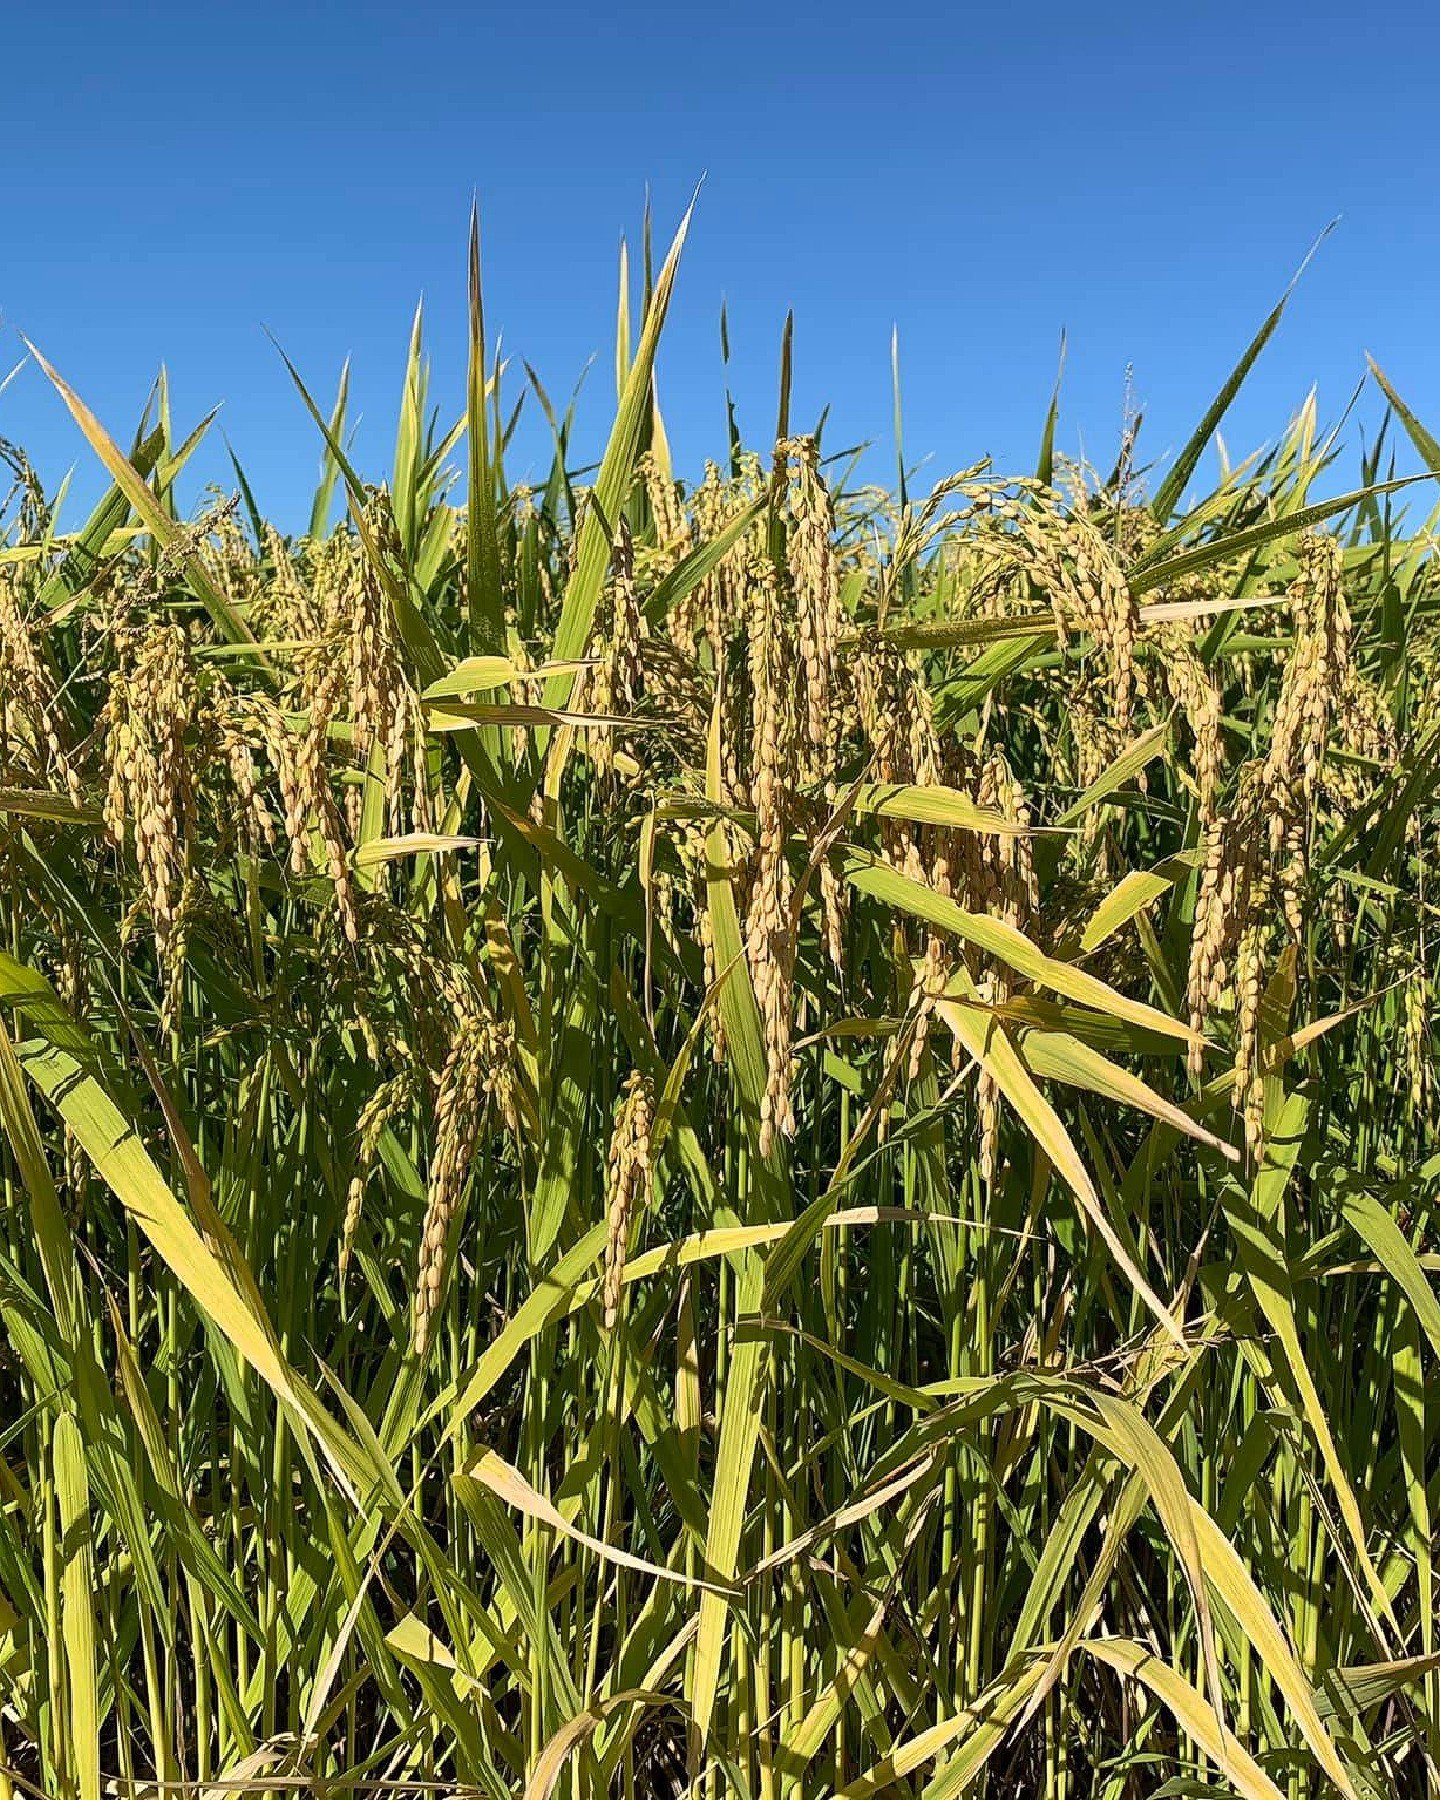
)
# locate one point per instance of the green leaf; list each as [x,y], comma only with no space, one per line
[1426,445]
[78,1591]
[1172,490]
[868,875]
[482,546]
[612,484]
[146,503]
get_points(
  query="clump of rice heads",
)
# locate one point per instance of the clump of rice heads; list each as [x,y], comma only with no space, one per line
[734,1137]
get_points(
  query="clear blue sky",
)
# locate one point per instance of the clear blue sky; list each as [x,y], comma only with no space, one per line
[1146,176]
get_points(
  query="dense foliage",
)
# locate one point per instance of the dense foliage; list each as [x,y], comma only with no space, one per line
[756,1134]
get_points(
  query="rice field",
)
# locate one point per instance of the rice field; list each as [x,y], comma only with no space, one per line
[747,1136]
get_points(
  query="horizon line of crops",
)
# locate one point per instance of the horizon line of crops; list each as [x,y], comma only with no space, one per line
[753,1137]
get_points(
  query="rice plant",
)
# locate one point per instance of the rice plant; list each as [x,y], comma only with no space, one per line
[742,1137]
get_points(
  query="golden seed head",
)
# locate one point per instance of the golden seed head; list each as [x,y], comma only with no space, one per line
[627,1183]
